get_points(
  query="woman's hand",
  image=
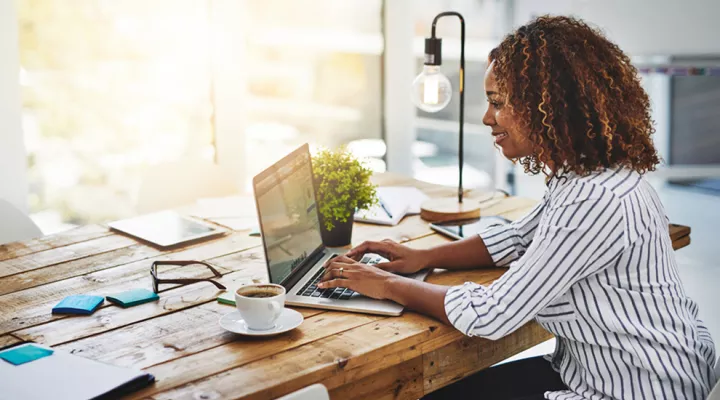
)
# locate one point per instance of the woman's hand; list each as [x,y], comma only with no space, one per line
[374,282]
[403,260]
[343,271]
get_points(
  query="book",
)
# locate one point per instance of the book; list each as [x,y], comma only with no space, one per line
[64,376]
[395,202]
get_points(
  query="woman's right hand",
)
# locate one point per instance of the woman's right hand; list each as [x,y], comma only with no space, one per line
[403,260]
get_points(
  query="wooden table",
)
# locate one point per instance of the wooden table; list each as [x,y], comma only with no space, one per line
[178,338]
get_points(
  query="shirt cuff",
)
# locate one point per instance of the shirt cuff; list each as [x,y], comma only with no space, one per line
[503,244]
[458,306]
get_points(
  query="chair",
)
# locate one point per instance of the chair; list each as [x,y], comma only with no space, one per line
[715,392]
[14,225]
[312,392]
[181,183]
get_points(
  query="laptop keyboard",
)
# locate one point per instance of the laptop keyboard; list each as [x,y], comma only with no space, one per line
[311,290]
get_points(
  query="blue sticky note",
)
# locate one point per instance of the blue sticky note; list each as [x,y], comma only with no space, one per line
[24,354]
[255,232]
[78,304]
[133,297]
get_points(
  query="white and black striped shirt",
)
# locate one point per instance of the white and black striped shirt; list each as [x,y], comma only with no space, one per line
[593,263]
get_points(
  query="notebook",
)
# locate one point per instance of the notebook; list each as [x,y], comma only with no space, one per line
[395,203]
[62,376]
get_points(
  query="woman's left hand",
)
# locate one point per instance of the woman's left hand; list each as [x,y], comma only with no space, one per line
[364,279]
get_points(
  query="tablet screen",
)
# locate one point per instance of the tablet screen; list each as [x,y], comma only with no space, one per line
[165,228]
[468,227]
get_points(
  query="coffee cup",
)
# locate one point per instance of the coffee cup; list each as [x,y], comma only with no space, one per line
[260,305]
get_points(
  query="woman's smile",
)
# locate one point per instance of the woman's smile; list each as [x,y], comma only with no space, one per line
[499,137]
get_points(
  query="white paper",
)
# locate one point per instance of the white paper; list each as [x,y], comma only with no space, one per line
[399,200]
[413,196]
[61,376]
[378,215]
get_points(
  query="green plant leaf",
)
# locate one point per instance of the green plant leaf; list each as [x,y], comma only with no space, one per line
[342,185]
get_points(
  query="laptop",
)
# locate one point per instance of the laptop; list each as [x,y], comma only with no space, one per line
[294,253]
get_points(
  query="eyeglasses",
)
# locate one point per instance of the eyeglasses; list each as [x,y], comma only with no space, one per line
[183,281]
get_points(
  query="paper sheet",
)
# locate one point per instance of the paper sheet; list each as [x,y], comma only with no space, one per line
[61,376]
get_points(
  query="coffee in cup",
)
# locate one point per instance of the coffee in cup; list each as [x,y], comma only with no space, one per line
[260,305]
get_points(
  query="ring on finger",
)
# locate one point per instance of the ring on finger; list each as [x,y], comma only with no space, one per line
[341,272]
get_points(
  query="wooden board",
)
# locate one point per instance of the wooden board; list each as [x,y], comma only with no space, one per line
[179,340]
[8,340]
[26,308]
[71,252]
[77,235]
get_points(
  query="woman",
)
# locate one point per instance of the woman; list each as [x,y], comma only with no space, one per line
[593,262]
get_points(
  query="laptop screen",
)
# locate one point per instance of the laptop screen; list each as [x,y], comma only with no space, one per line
[288,214]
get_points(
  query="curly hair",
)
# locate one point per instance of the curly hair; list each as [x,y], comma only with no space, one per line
[579,96]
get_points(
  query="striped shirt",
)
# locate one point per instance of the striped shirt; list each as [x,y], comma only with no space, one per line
[593,264]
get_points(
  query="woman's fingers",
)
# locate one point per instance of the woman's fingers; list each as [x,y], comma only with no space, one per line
[392,266]
[337,273]
[350,264]
[333,283]
[339,259]
[344,260]
[382,248]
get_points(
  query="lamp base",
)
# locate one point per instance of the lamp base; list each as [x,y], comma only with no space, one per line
[449,209]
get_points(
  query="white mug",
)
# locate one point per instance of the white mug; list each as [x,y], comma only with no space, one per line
[260,305]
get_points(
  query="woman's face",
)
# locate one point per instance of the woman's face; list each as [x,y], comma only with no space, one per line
[507,132]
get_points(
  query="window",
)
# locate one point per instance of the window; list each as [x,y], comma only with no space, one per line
[314,76]
[111,87]
[108,88]
[437,133]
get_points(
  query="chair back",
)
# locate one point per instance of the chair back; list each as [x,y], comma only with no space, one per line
[715,392]
[312,392]
[14,225]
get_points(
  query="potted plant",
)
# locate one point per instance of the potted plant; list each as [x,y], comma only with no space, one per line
[342,185]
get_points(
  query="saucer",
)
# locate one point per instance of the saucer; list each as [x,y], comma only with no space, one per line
[288,320]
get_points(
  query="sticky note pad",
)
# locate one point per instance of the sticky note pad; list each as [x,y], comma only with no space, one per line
[24,354]
[78,304]
[133,297]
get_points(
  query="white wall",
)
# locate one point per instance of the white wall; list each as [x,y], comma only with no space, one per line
[641,27]
[648,31]
[13,178]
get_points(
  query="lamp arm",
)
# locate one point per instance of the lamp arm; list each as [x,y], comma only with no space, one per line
[461,149]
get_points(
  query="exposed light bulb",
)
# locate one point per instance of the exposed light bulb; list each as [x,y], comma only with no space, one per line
[431,90]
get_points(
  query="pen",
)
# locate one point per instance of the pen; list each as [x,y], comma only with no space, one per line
[382,204]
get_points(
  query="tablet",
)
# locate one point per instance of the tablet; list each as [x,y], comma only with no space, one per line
[166,228]
[468,227]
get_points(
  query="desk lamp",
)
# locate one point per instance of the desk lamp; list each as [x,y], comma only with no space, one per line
[431,92]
